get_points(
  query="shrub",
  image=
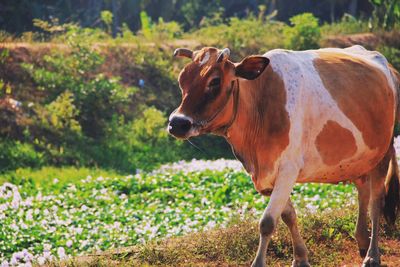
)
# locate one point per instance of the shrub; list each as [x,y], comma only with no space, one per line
[347,25]
[139,144]
[107,18]
[243,36]
[386,13]
[392,54]
[304,32]
[158,32]
[96,96]
[15,154]
[60,114]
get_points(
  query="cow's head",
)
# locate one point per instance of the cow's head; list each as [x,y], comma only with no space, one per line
[208,84]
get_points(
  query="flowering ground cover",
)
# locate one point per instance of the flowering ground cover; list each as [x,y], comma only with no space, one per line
[55,213]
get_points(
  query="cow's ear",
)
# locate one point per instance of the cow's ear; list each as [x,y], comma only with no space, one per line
[251,67]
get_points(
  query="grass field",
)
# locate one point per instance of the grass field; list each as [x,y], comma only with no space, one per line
[54,213]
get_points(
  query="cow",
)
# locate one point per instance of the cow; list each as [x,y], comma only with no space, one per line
[325,116]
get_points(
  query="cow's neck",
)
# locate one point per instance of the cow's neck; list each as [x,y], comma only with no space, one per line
[260,131]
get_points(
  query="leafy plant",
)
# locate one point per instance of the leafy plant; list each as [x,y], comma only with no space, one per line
[61,114]
[96,96]
[158,32]
[15,154]
[236,35]
[107,18]
[392,54]
[386,13]
[52,206]
[346,25]
[304,32]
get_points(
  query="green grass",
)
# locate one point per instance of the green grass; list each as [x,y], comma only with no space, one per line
[328,236]
[33,180]
[83,211]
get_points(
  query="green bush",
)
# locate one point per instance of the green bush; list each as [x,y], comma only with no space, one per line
[15,154]
[139,144]
[158,32]
[60,114]
[347,25]
[96,96]
[392,54]
[386,13]
[246,36]
[304,32]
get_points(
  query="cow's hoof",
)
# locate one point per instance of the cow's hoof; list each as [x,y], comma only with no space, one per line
[302,263]
[363,252]
[371,262]
[258,263]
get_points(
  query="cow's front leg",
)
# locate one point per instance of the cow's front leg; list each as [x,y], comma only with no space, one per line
[279,197]
[299,247]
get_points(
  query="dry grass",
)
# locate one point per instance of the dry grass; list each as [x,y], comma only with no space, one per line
[329,237]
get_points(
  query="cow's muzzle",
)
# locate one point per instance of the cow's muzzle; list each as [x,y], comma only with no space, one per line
[179,126]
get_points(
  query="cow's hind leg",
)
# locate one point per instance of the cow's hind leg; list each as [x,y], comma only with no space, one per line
[377,198]
[299,248]
[362,235]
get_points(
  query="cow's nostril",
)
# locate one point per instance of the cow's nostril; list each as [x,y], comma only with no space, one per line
[179,126]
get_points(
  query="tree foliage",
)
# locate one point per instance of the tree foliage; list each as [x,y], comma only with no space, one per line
[16,16]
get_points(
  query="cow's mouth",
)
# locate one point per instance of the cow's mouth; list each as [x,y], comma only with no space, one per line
[182,127]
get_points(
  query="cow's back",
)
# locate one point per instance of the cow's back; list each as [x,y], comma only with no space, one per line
[341,104]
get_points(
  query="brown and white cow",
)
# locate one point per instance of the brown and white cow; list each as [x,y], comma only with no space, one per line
[323,115]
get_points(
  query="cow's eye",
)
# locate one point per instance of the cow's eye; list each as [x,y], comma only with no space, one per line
[216,82]
[214,87]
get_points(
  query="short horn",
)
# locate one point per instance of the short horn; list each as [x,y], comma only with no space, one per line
[223,55]
[183,52]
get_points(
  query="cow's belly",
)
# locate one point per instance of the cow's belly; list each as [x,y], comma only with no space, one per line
[347,170]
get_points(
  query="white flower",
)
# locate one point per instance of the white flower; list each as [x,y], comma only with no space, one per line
[4,264]
[84,243]
[29,216]
[210,224]
[27,202]
[117,225]
[47,254]
[27,256]
[55,180]
[84,208]
[41,260]
[13,261]
[14,227]
[15,204]
[47,247]
[311,208]
[3,207]
[69,243]
[61,253]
